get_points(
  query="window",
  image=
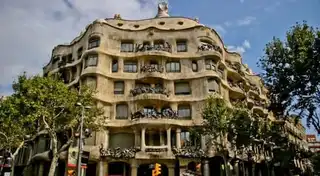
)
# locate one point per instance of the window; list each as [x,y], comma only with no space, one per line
[119,87]
[182,88]
[184,138]
[130,66]
[154,64]
[79,52]
[210,64]
[220,72]
[94,42]
[173,66]
[181,46]
[114,65]
[184,112]
[126,47]
[158,44]
[194,66]
[91,82]
[149,111]
[91,61]
[122,111]
[213,86]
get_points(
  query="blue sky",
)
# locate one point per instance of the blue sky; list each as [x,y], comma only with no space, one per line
[31,28]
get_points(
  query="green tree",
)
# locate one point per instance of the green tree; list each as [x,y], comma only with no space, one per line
[315,160]
[223,124]
[292,73]
[44,103]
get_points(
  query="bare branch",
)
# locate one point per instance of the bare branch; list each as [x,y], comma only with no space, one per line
[66,145]
[17,150]
[4,135]
[59,113]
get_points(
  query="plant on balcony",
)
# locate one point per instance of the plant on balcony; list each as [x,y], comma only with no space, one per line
[44,103]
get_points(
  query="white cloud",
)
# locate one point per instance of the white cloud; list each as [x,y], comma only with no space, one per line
[219,28]
[32,28]
[240,49]
[246,21]
[241,1]
[246,44]
[227,23]
[272,7]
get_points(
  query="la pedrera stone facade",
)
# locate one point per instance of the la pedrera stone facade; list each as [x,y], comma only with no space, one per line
[152,77]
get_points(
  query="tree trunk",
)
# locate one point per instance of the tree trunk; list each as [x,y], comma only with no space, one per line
[13,156]
[55,157]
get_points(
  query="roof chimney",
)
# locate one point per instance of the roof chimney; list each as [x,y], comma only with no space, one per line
[162,10]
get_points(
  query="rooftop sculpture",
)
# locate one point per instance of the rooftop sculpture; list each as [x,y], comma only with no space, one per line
[162,10]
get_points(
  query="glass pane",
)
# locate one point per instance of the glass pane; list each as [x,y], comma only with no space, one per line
[114,66]
[177,66]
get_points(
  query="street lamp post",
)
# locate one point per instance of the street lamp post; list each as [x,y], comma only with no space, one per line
[80,145]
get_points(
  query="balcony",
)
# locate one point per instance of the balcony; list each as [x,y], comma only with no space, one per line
[152,68]
[158,47]
[167,113]
[149,90]
[239,86]
[189,152]
[118,153]
[209,47]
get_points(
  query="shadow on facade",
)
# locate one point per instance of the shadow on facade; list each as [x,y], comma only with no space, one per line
[119,168]
[216,165]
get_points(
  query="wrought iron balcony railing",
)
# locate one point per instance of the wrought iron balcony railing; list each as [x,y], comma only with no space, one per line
[209,47]
[152,68]
[152,90]
[118,152]
[164,114]
[158,47]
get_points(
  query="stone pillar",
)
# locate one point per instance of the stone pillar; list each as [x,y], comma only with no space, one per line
[178,138]
[134,169]
[143,139]
[161,137]
[206,168]
[203,142]
[40,171]
[106,139]
[169,139]
[102,168]
[236,168]
[171,171]
[120,65]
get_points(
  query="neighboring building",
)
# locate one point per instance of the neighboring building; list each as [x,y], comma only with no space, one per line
[152,78]
[313,143]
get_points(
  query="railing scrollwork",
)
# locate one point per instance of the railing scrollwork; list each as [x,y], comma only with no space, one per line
[118,152]
[209,47]
[159,47]
[164,114]
[152,90]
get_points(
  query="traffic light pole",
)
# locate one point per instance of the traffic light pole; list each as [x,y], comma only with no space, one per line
[80,143]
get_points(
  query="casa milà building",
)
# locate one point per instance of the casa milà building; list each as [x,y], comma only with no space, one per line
[152,77]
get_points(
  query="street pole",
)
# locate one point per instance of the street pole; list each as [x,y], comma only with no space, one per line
[80,143]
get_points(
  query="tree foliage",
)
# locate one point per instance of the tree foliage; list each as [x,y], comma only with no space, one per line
[44,103]
[292,73]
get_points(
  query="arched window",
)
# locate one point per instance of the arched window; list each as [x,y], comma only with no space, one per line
[91,61]
[94,42]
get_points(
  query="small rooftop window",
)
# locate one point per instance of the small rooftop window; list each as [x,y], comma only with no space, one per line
[136,26]
[161,22]
[180,23]
[120,24]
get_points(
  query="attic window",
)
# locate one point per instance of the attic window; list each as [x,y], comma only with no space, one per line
[120,24]
[180,23]
[161,22]
[136,26]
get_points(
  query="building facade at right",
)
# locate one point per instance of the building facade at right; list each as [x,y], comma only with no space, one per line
[313,143]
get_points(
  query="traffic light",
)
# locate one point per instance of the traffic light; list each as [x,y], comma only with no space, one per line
[157,170]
